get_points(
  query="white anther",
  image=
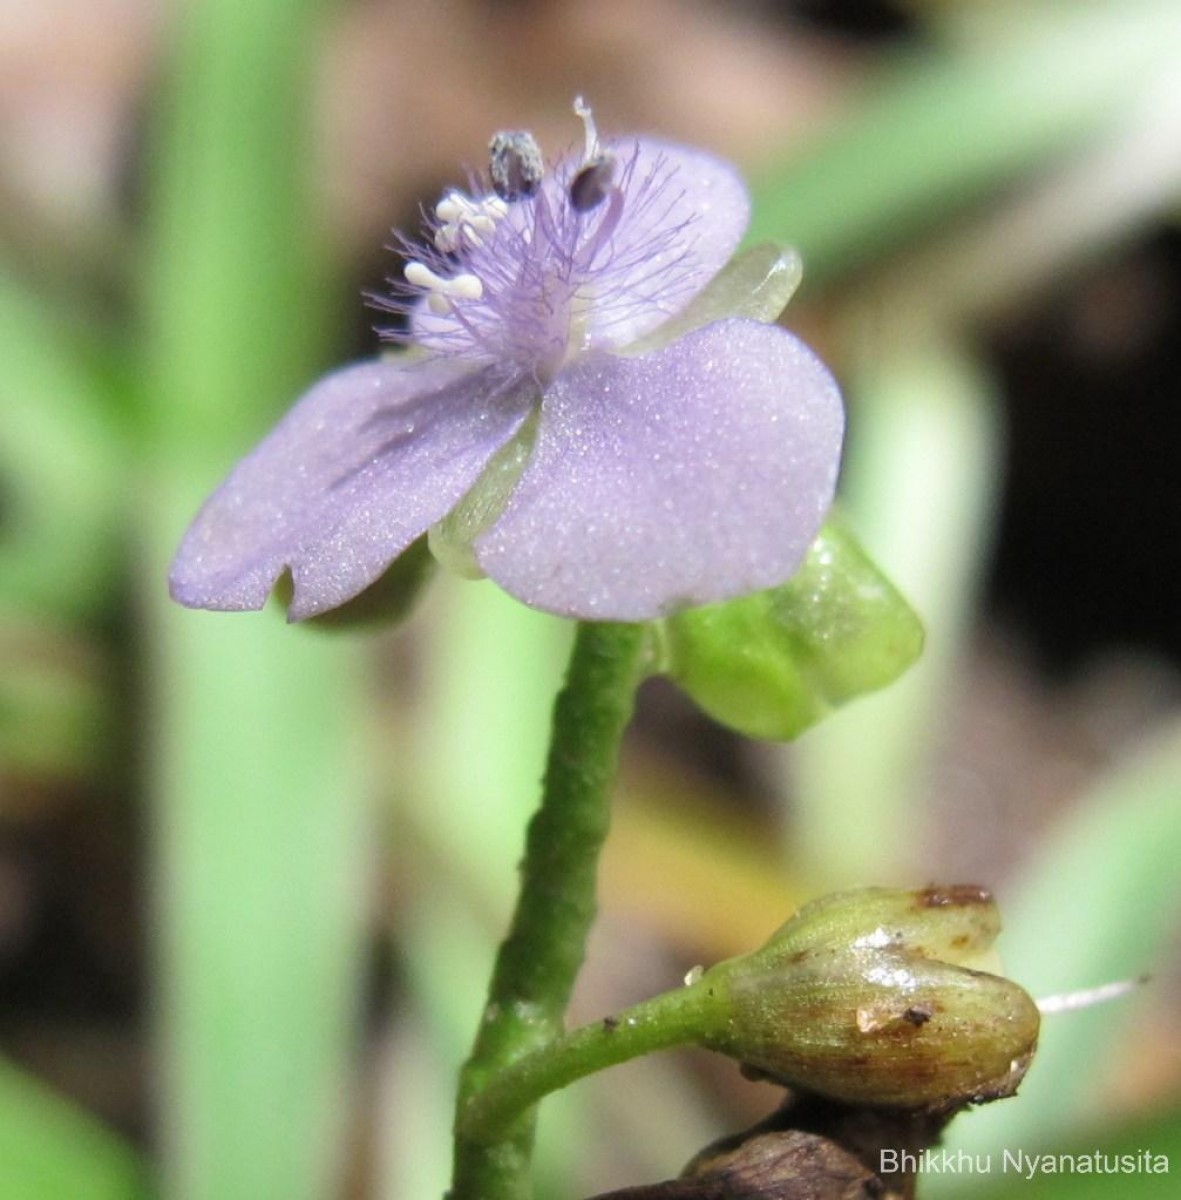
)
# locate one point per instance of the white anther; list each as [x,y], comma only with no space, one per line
[447,238]
[458,287]
[465,287]
[439,305]
[420,275]
[582,110]
[465,222]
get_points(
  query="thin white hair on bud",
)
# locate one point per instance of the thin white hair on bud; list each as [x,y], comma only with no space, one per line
[1088,997]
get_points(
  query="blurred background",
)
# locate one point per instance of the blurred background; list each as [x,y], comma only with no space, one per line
[252,876]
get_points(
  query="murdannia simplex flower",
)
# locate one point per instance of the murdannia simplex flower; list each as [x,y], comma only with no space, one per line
[570,418]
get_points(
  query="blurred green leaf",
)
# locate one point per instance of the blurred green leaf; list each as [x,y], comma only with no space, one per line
[260,829]
[239,303]
[260,836]
[49,1148]
[774,663]
[945,128]
[62,462]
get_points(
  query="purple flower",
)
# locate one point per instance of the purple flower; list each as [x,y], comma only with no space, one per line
[574,422]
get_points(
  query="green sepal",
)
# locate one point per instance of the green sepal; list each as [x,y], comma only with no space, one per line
[452,540]
[772,664]
[756,284]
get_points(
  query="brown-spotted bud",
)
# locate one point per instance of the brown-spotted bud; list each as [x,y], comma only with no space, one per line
[873,997]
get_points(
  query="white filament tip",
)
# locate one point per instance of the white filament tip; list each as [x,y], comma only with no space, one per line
[582,110]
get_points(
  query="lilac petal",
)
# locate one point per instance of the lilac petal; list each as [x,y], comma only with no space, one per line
[684,214]
[361,466]
[615,272]
[694,474]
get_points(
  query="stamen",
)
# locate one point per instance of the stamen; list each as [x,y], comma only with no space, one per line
[516,166]
[464,222]
[441,292]
[465,287]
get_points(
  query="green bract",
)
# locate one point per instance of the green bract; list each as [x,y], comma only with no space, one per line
[774,663]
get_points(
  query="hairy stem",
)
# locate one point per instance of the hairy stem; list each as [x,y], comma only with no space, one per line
[538,961]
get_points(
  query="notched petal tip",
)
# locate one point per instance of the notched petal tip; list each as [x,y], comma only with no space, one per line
[388,601]
[363,465]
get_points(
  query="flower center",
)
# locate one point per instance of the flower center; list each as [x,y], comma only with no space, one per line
[524,275]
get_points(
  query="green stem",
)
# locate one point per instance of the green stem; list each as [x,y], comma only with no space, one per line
[538,962]
[674,1018]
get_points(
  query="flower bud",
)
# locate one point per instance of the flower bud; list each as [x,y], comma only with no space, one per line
[865,997]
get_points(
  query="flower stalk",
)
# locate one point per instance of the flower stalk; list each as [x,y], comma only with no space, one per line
[670,1019]
[538,961]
